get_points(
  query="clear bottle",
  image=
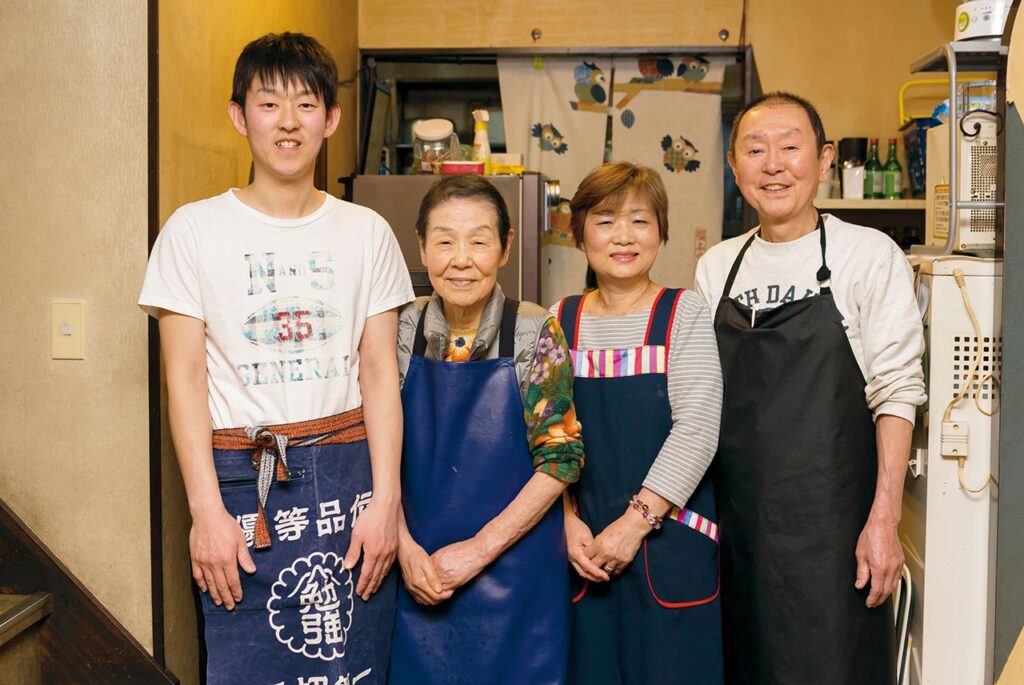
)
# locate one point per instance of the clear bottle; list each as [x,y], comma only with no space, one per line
[873,170]
[892,175]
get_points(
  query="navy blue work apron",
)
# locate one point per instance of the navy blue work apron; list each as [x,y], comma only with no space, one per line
[299,616]
[659,621]
[795,475]
[465,458]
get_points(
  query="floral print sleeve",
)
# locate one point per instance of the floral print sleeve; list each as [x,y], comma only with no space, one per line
[552,428]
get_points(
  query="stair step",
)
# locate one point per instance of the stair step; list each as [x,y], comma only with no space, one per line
[20,612]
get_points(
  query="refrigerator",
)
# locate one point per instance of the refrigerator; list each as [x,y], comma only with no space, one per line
[397,199]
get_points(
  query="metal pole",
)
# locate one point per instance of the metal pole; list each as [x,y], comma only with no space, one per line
[953,123]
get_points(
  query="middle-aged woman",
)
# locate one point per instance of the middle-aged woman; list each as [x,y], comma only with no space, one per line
[491,443]
[648,392]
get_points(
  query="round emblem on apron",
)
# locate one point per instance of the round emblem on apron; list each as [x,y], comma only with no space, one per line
[311,606]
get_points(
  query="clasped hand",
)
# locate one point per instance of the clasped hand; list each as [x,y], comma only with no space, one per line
[432,579]
[600,558]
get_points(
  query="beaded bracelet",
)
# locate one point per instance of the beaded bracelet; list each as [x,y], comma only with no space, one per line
[653,519]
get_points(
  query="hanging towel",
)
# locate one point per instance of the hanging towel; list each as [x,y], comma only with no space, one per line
[667,114]
[556,113]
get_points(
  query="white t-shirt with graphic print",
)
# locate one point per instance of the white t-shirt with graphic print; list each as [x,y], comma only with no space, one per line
[872,284]
[284,302]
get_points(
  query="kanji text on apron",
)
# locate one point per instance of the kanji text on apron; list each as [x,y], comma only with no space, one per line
[297,490]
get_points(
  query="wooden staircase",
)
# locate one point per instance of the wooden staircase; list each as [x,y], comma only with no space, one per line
[52,630]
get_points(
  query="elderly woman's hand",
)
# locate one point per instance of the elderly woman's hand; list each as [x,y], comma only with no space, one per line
[459,562]
[616,546]
[577,538]
[419,574]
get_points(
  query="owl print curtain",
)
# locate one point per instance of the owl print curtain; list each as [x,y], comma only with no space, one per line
[660,111]
[556,114]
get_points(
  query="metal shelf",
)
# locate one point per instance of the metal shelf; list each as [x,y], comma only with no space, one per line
[952,58]
[971,55]
[897,205]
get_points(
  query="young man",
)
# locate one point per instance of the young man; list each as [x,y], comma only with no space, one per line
[278,318]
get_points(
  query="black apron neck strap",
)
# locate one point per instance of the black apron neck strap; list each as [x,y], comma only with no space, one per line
[507,334]
[736,267]
[569,311]
[419,341]
[823,274]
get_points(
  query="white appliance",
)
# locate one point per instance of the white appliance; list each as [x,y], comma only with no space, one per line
[976,181]
[948,532]
[981,19]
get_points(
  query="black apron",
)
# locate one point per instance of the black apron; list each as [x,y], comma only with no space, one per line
[795,478]
[659,621]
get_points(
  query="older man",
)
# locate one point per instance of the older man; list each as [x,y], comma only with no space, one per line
[820,342]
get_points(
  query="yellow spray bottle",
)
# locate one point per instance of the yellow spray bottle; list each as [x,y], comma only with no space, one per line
[481,143]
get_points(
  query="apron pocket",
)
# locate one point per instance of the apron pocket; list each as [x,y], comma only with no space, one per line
[682,566]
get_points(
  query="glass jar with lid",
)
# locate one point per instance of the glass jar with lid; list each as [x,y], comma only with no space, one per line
[434,142]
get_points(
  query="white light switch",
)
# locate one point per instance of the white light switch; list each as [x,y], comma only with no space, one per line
[68,330]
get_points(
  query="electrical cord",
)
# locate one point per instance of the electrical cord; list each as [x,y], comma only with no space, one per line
[965,385]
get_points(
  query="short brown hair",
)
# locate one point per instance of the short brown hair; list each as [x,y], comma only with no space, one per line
[780,97]
[606,188]
[465,187]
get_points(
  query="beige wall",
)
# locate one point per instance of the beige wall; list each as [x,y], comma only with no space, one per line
[202,155]
[74,452]
[849,58]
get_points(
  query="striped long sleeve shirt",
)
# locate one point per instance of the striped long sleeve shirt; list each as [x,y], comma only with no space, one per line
[694,390]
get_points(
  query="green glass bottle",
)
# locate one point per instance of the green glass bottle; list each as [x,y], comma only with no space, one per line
[873,173]
[892,175]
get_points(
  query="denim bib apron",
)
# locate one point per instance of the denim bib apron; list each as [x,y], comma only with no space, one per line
[659,621]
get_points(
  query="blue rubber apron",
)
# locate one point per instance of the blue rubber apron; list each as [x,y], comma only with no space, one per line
[660,620]
[465,458]
[299,617]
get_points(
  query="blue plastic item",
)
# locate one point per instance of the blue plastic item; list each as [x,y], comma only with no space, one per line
[915,142]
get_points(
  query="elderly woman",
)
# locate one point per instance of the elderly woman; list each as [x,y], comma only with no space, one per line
[491,442]
[641,532]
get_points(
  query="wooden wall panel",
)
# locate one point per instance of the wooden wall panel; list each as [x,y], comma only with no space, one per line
[509,23]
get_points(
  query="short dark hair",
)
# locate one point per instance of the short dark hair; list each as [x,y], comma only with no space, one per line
[606,188]
[293,59]
[464,187]
[780,97]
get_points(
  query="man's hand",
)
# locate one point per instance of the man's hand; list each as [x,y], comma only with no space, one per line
[459,562]
[419,574]
[577,538]
[616,546]
[375,537]
[217,547]
[880,558]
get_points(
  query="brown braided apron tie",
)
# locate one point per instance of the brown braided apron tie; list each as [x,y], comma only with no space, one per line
[271,461]
[270,446]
